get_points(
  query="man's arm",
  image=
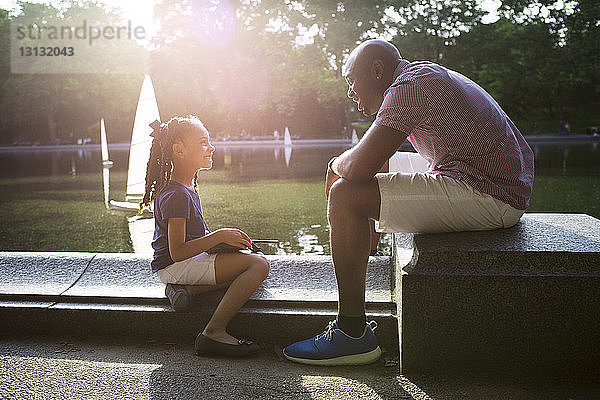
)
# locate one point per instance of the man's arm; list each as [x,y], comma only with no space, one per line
[363,161]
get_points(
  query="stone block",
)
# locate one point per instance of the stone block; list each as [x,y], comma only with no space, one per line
[522,300]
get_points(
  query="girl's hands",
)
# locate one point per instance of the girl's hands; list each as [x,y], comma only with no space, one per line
[234,237]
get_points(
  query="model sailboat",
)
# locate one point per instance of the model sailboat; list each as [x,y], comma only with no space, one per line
[139,152]
[287,146]
[106,163]
[354,137]
[287,138]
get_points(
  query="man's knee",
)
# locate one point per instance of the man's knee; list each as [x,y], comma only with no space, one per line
[357,198]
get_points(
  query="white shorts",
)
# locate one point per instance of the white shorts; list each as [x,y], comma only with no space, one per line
[413,200]
[197,270]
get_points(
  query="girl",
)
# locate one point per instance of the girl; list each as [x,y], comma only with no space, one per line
[180,148]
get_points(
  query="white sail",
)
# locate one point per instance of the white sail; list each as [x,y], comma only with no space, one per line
[354,137]
[141,141]
[287,139]
[106,162]
[103,142]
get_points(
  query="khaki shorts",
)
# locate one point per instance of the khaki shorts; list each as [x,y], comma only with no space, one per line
[197,270]
[413,200]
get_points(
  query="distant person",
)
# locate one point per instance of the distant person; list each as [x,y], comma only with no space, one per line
[564,129]
[180,148]
[476,174]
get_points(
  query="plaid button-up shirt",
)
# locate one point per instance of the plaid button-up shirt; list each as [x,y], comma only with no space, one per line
[460,129]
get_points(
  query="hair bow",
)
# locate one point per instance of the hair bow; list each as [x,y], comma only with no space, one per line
[157,127]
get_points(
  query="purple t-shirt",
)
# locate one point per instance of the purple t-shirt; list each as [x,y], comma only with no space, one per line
[175,201]
[460,129]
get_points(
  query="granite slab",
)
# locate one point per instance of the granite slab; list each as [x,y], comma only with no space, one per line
[40,273]
[124,275]
[292,278]
[545,244]
[312,278]
[522,300]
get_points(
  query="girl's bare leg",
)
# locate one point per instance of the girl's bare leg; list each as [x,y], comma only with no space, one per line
[245,272]
[194,290]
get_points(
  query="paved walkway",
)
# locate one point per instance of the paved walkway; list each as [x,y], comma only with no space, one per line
[70,368]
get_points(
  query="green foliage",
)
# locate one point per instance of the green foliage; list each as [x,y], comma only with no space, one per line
[540,61]
[430,26]
[511,61]
[49,107]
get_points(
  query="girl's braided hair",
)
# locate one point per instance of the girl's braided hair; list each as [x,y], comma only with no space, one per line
[160,163]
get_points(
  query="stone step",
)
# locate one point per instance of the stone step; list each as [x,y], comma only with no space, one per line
[116,294]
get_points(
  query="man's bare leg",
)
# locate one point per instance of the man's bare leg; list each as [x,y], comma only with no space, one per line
[374,237]
[350,207]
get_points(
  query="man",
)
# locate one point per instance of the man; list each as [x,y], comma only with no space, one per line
[480,177]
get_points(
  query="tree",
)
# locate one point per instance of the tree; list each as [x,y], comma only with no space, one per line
[574,68]
[260,81]
[49,107]
[512,62]
[342,25]
[426,28]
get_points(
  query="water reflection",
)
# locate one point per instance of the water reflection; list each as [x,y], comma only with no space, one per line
[279,164]
[244,164]
[106,186]
[254,163]
[308,240]
[565,160]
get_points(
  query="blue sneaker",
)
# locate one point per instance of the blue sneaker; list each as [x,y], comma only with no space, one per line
[334,347]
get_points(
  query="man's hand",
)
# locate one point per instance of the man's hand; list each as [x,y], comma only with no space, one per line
[330,178]
[329,181]
[360,163]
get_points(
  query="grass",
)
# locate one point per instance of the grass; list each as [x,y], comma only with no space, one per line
[59,214]
[66,213]
[289,211]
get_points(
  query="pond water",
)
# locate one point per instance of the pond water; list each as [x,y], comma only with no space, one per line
[270,196]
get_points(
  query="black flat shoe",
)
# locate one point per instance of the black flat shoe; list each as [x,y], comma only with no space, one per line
[207,347]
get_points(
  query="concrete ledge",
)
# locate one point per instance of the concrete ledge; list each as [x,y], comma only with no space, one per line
[540,244]
[524,299]
[41,273]
[117,294]
[119,275]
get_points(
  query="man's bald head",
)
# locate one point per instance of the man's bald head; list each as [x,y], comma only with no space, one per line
[369,72]
[365,53]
